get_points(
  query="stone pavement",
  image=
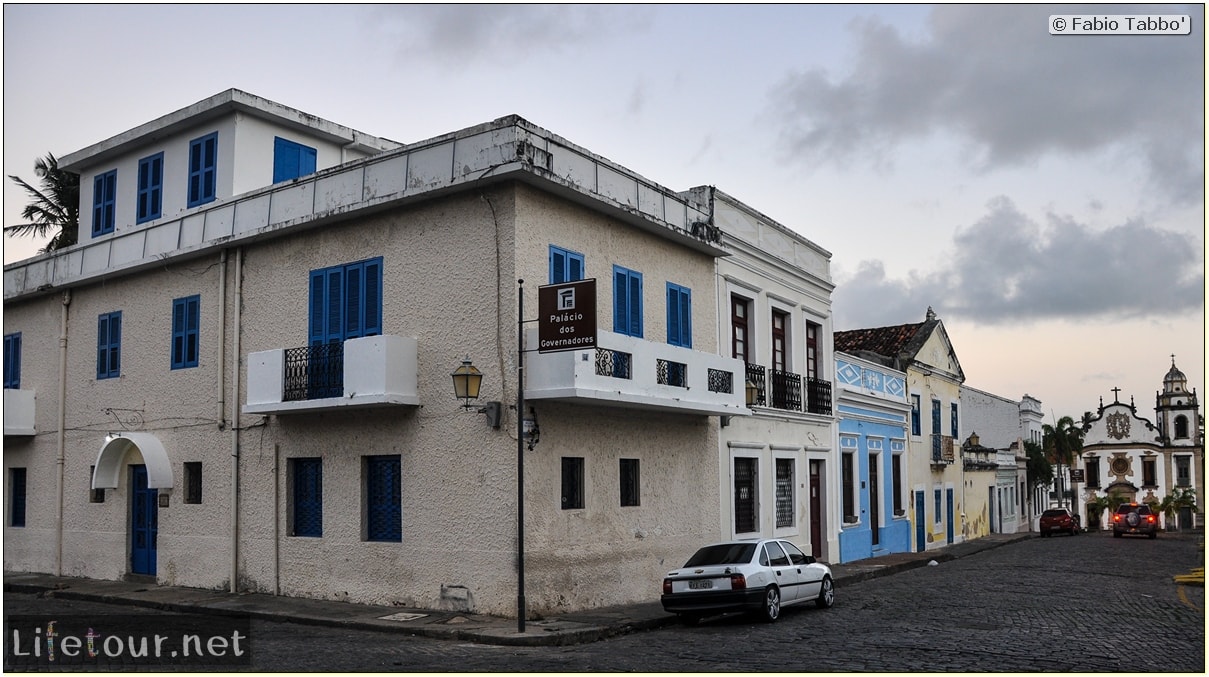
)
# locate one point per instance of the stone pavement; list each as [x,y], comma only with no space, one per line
[571,628]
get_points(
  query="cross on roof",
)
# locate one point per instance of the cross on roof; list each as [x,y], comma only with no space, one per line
[1114,394]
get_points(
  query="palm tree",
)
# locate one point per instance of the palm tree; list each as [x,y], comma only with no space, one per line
[54,209]
[1095,509]
[1172,504]
[1063,441]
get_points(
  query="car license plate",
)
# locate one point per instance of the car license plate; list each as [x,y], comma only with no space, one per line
[700,585]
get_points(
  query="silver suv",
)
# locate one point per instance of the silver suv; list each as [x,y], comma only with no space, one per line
[1135,518]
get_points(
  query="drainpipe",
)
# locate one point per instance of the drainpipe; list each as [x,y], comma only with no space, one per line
[276,521]
[237,302]
[62,452]
[222,337]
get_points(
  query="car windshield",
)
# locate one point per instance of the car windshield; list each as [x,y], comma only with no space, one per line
[725,553]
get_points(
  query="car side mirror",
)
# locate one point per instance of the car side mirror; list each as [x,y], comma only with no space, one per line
[810,559]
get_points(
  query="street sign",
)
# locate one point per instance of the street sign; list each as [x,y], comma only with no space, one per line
[566,316]
[1076,475]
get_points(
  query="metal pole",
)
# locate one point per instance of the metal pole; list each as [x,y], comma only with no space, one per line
[520,455]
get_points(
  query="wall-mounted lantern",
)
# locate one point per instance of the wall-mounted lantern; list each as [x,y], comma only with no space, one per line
[466,383]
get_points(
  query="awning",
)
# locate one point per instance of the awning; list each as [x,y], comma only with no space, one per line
[113,451]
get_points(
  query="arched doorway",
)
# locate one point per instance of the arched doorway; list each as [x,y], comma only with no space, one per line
[150,471]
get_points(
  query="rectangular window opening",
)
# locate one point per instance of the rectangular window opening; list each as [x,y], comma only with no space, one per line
[109,345]
[203,168]
[383,499]
[185,332]
[572,483]
[629,482]
[150,188]
[565,265]
[16,492]
[12,360]
[745,495]
[627,302]
[306,496]
[193,482]
[785,484]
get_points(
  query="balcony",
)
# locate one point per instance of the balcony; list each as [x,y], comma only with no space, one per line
[942,450]
[623,371]
[786,390]
[19,412]
[375,371]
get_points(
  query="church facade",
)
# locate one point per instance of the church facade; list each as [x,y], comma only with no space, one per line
[1128,459]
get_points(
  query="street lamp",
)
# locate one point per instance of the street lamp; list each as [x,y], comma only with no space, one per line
[467,380]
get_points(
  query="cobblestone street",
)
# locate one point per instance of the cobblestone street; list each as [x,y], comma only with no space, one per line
[1057,604]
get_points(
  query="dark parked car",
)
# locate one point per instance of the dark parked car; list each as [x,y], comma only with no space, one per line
[1059,519]
[1135,518]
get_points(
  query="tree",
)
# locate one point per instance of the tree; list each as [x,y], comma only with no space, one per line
[1175,501]
[1063,441]
[1095,510]
[1038,468]
[54,209]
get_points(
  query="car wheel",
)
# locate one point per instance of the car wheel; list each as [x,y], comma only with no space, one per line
[826,596]
[689,620]
[772,604]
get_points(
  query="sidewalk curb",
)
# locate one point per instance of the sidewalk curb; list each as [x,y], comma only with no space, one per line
[577,628]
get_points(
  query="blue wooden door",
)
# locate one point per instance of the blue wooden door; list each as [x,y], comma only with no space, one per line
[919,522]
[949,500]
[144,522]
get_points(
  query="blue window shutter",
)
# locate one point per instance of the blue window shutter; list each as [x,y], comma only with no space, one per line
[384,500]
[673,316]
[98,200]
[575,267]
[621,296]
[185,319]
[354,277]
[203,168]
[104,192]
[115,344]
[635,304]
[679,316]
[291,160]
[558,265]
[308,497]
[334,312]
[192,330]
[306,161]
[372,319]
[12,361]
[317,332]
[178,333]
[150,180]
[102,346]
[285,162]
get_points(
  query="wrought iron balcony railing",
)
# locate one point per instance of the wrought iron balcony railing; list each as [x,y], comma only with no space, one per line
[755,374]
[314,372]
[786,390]
[818,396]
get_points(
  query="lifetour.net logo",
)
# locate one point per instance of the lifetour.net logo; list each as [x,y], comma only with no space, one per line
[117,641]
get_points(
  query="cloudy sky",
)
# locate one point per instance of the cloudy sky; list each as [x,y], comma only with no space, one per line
[1044,194]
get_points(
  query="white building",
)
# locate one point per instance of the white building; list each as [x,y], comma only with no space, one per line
[240,377]
[1005,425]
[778,475]
[1127,457]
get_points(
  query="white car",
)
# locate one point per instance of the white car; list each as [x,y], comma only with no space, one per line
[758,575]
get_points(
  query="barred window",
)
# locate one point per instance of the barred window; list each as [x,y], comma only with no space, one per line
[745,495]
[383,499]
[306,474]
[785,492]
